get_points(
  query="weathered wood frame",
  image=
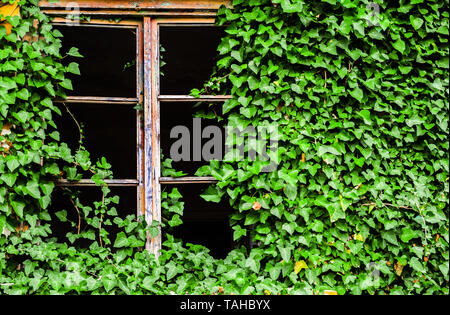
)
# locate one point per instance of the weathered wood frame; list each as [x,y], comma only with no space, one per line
[137,182]
[136,8]
[146,16]
[152,104]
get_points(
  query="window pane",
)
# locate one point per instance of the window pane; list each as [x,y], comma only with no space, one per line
[178,119]
[189,56]
[108,66]
[204,223]
[109,131]
[89,195]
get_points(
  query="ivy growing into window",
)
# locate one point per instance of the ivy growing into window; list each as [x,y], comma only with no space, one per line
[358,202]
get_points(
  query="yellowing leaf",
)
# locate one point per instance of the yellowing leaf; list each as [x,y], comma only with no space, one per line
[299,265]
[398,268]
[330,292]
[359,237]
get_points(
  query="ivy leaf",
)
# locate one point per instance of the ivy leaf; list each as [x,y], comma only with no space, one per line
[22,116]
[18,207]
[9,178]
[253,83]
[390,237]
[73,68]
[12,163]
[61,215]
[416,22]
[285,253]
[172,270]
[236,54]
[252,264]
[154,229]
[359,161]
[175,221]
[417,265]
[238,232]
[67,84]
[365,114]
[289,227]
[229,105]
[290,191]
[299,265]
[2,222]
[212,194]
[148,282]
[32,189]
[357,93]
[336,212]
[109,282]
[274,272]
[121,240]
[399,45]
[407,234]
[23,94]
[74,52]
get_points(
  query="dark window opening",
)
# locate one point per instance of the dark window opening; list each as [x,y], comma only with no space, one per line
[204,223]
[108,66]
[176,114]
[109,131]
[88,195]
[189,54]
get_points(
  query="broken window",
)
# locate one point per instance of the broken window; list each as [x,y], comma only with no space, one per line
[108,131]
[108,66]
[104,104]
[63,207]
[136,76]
[188,53]
[189,132]
[204,223]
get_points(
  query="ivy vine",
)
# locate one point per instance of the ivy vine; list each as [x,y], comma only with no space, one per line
[358,203]
[359,92]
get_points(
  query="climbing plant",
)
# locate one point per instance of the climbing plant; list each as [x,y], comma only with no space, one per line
[359,92]
[358,202]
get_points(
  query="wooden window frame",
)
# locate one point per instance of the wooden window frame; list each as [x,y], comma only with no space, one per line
[146,16]
[137,182]
[152,101]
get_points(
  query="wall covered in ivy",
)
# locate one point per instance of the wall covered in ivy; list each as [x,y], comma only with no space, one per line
[358,202]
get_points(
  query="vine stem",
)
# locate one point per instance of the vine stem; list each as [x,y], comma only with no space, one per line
[76,122]
[387,204]
[79,217]
[101,220]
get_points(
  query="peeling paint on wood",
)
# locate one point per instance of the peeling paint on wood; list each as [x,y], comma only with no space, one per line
[148,131]
[156,170]
[144,4]
[139,120]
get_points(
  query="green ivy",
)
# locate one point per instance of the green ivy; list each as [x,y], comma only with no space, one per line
[358,203]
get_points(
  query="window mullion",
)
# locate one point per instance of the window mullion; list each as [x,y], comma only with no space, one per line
[90,182]
[188,98]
